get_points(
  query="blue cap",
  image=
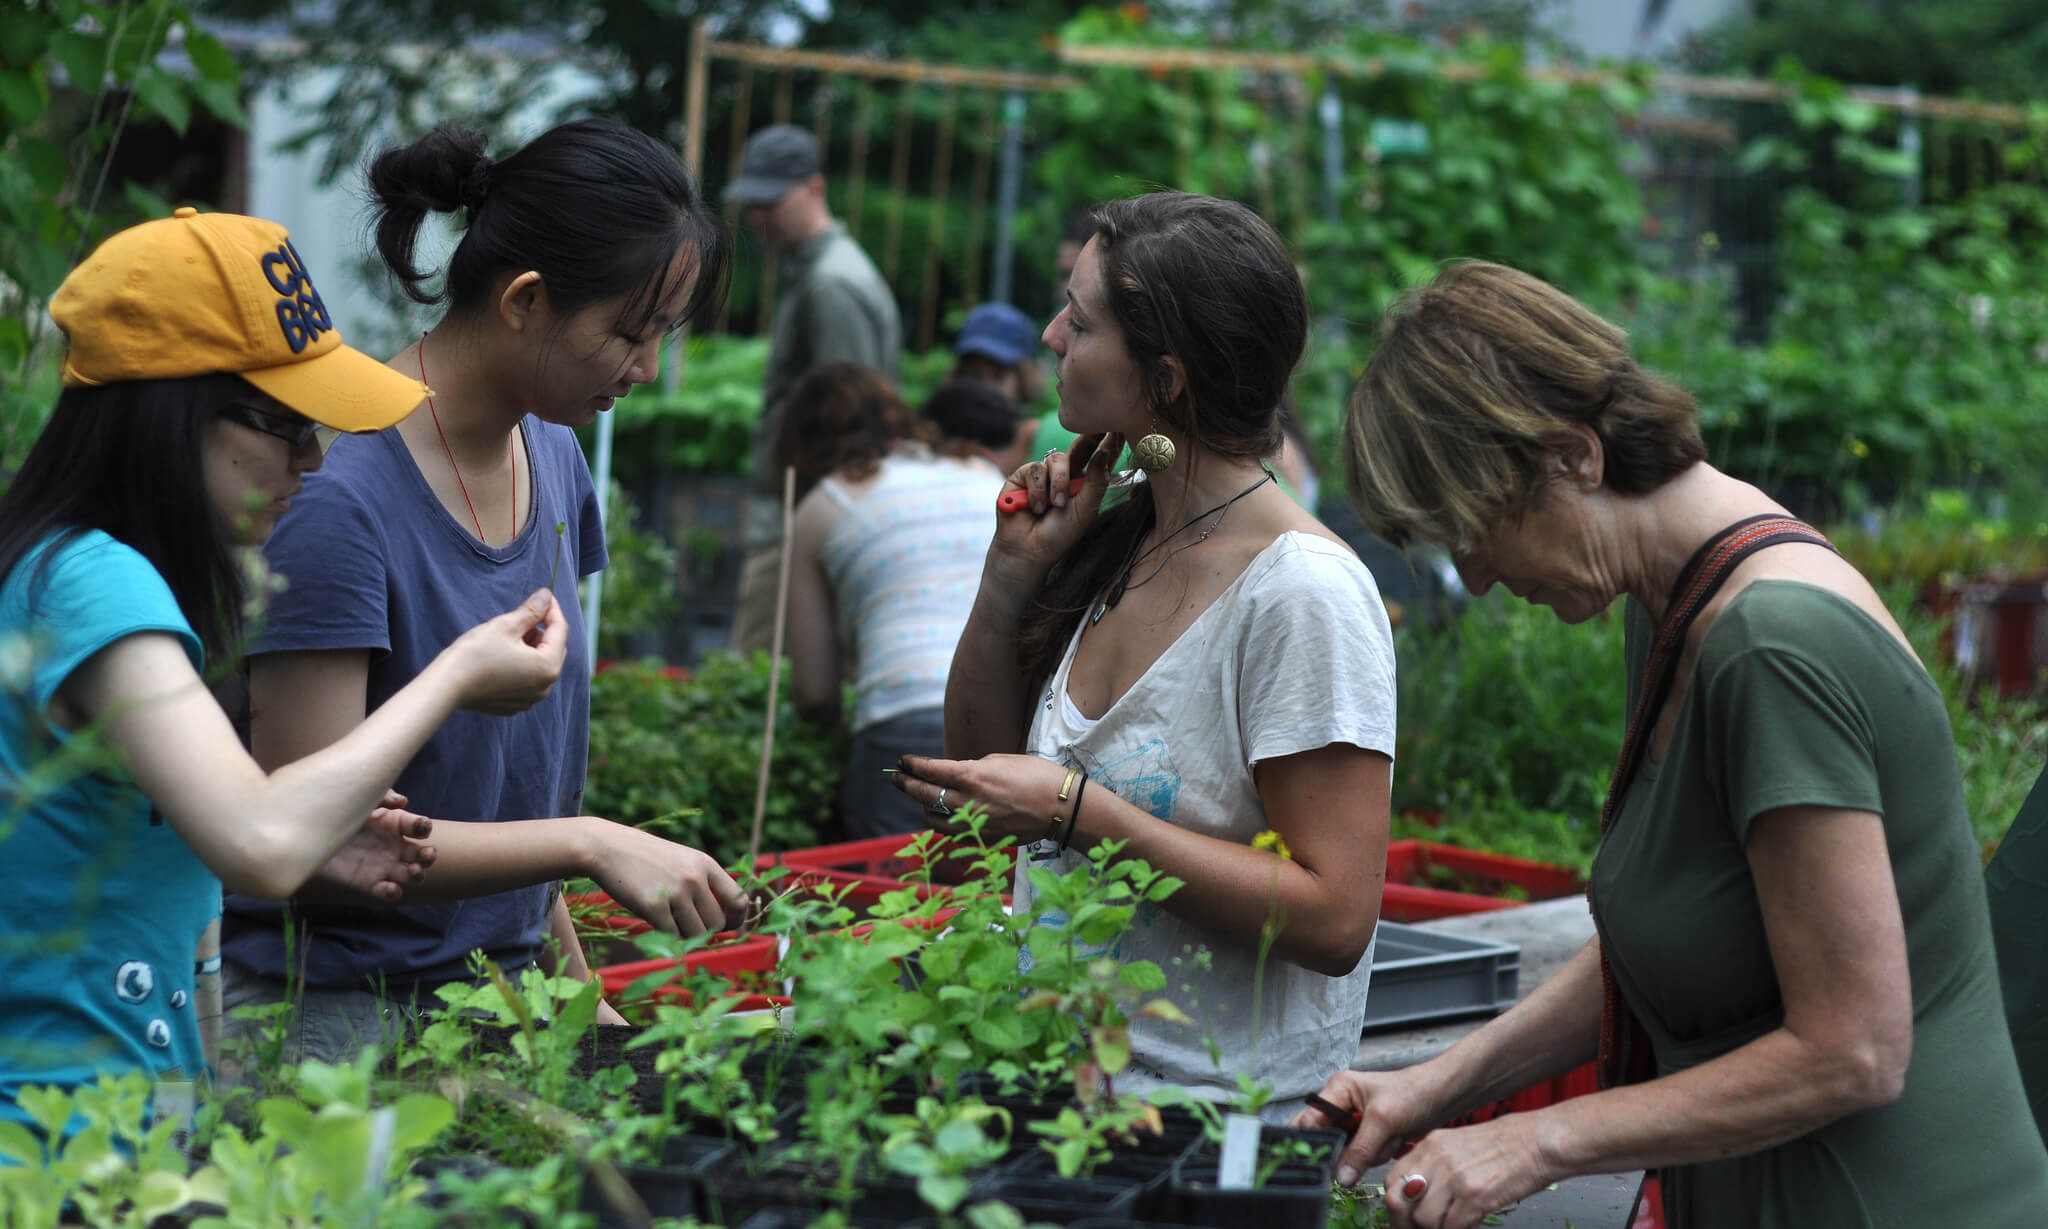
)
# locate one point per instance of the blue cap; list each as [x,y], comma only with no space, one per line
[998,331]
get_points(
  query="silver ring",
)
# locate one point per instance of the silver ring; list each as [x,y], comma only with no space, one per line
[939,807]
[1411,1180]
[1048,455]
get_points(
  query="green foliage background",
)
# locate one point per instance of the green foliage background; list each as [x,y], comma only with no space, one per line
[680,757]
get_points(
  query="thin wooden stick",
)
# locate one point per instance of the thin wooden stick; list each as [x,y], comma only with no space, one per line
[774,661]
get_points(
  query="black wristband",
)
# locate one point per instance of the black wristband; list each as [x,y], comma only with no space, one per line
[1074,816]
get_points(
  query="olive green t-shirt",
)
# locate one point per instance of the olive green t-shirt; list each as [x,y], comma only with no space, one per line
[2017,884]
[1800,698]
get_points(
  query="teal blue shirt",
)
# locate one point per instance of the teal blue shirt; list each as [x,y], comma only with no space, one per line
[105,904]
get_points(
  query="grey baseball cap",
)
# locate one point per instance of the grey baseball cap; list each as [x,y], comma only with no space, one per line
[775,160]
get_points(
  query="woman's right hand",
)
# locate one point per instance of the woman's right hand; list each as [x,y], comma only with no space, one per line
[508,664]
[673,887]
[1037,535]
[1390,1107]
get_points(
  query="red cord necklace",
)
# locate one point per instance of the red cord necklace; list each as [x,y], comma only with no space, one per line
[510,459]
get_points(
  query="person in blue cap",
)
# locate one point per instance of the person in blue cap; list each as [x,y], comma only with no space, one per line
[998,345]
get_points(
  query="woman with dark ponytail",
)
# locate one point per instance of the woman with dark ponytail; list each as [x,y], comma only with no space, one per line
[1191,664]
[578,254]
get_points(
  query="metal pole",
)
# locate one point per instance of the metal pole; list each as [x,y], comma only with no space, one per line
[1909,144]
[593,593]
[1006,195]
[1331,111]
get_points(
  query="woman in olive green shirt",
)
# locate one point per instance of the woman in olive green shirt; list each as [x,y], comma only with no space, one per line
[1787,895]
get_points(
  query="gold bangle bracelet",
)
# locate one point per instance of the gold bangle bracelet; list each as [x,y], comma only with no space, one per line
[1067,786]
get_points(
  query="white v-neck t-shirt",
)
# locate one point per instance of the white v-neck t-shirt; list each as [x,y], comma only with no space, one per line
[1295,655]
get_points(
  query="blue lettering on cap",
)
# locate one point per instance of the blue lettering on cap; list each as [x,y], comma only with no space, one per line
[301,314]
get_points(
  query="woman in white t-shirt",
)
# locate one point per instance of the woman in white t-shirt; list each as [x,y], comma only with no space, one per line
[1191,664]
[885,553]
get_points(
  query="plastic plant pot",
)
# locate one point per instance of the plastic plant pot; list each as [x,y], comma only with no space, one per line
[1295,1194]
[671,1188]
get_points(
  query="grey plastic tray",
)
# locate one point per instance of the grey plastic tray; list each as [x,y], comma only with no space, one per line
[1420,975]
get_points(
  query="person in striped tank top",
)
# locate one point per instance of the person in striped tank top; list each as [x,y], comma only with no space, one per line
[892,528]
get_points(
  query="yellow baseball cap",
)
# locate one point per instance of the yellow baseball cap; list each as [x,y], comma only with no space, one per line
[199,293]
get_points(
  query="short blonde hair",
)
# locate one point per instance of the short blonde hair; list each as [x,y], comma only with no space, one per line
[1479,380]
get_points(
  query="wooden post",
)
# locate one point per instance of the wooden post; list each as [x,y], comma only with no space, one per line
[764,300]
[1297,159]
[899,180]
[863,111]
[742,107]
[977,201]
[693,101]
[935,236]
[1184,137]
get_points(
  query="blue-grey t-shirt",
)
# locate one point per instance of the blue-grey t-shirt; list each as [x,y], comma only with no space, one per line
[372,560]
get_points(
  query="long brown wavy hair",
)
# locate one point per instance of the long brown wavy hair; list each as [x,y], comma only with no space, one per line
[843,418]
[1209,283]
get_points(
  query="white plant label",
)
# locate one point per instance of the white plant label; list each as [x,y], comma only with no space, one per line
[1240,1158]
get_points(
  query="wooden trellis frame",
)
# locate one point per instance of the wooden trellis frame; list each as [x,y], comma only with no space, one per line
[956,83]
[1737,89]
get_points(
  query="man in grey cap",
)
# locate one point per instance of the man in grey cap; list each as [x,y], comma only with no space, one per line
[831,306]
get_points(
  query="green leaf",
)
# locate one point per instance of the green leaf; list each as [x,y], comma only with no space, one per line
[1142,976]
[19,1144]
[84,58]
[144,201]
[210,56]
[23,96]
[165,95]
[419,1117]
[943,1192]
[1112,1049]
[223,98]
[23,35]
[45,162]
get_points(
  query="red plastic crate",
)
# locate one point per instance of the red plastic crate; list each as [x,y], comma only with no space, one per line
[1409,898]
[869,867]
[729,956]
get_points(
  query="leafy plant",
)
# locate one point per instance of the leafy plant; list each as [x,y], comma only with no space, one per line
[680,757]
[73,75]
[93,1149]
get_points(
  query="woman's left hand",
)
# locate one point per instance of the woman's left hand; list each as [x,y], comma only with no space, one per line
[1466,1173]
[1019,792]
[387,855]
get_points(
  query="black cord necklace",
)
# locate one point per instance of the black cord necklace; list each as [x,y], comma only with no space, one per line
[1124,584]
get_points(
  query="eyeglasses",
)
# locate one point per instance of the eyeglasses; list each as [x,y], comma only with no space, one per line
[293,428]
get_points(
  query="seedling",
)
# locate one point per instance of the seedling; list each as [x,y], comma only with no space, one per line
[556,570]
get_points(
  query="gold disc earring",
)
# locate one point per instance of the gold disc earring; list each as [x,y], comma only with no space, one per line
[1153,452]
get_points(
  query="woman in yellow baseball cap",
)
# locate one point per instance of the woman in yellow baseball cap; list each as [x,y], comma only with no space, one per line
[200,363]
[578,253]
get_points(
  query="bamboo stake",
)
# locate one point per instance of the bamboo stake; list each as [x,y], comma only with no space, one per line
[872,69]
[863,107]
[764,299]
[693,102]
[899,180]
[1738,89]
[742,108]
[774,661]
[977,202]
[935,234]
[1184,135]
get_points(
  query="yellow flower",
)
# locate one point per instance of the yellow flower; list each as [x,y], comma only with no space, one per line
[1270,839]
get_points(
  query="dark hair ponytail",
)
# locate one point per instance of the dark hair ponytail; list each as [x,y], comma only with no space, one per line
[598,209]
[1209,283]
[129,459]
